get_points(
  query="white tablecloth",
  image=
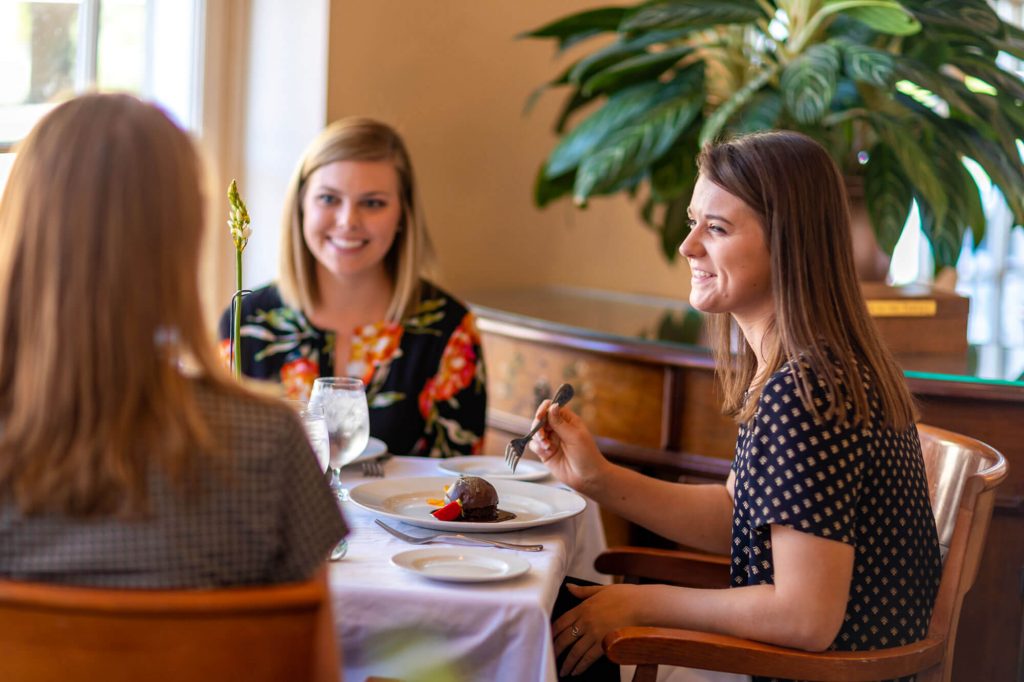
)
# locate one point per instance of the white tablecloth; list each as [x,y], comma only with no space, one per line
[393,623]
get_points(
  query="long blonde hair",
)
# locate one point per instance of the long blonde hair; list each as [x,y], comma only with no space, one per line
[100,229]
[820,319]
[355,139]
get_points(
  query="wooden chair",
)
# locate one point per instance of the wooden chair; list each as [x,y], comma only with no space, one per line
[74,634]
[962,475]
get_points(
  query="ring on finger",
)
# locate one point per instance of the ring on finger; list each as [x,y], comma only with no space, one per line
[575,631]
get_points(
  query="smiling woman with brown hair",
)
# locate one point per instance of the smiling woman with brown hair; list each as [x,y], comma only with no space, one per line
[117,466]
[826,511]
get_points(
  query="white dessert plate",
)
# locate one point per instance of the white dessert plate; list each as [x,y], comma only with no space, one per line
[494,467]
[405,499]
[375,448]
[462,564]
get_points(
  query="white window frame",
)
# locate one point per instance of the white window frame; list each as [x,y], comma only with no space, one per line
[184,102]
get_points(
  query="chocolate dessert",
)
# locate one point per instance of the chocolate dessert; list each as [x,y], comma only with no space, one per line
[478,498]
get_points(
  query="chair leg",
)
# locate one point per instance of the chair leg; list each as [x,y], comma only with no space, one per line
[646,673]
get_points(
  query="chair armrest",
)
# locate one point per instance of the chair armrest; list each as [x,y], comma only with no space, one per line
[679,567]
[688,648]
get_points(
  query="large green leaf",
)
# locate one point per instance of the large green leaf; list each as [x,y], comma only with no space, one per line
[965,208]
[809,82]
[620,109]
[675,226]
[993,75]
[944,249]
[546,190]
[603,58]
[574,28]
[646,66]
[916,164]
[1005,171]
[866,64]
[717,120]
[760,112]
[633,148]
[973,16]
[953,92]
[694,15]
[617,52]
[887,194]
[1012,42]
[675,173]
[884,16]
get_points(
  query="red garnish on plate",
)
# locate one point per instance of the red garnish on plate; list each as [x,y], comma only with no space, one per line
[449,512]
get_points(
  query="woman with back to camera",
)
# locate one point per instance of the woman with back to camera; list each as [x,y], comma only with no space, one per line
[826,511]
[352,300]
[117,467]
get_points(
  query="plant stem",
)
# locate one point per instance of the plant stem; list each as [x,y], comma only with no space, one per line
[236,338]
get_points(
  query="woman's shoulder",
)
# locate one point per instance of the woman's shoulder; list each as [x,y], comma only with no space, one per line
[437,309]
[433,296]
[266,297]
[243,417]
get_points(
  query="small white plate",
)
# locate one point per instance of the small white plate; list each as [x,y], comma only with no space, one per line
[405,499]
[375,448]
[494,467]
[462,565]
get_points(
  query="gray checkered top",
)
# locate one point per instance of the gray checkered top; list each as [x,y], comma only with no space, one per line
[271,519]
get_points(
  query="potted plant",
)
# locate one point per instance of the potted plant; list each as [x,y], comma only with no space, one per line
[899,92]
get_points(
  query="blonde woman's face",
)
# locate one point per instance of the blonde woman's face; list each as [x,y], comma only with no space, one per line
[728,255]
[351,214]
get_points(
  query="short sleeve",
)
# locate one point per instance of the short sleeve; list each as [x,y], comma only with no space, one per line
[802,471]
[311,522]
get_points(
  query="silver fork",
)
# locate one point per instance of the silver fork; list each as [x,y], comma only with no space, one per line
[517,446]
[455,536]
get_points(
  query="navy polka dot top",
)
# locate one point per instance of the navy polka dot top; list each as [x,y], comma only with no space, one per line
[861,484]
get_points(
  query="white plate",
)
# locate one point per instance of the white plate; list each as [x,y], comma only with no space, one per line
[494,467]
[375,447]
[405,499]
[462,565]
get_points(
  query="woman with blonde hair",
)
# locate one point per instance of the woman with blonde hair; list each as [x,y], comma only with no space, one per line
[118,467]
[352,299]
[826,511]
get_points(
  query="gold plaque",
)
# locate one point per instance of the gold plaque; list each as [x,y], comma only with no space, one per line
[903,308]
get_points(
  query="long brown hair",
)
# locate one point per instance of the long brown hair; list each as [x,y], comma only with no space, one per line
[100,228]
[820,318]
[355,139]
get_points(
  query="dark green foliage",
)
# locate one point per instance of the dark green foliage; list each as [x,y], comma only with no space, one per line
[914,84]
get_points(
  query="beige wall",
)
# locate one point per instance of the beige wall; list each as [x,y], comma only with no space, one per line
[451,77]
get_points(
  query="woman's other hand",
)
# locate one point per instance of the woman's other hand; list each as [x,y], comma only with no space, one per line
[567,448]
[580,631]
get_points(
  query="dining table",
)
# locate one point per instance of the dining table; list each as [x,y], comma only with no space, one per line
[398,623]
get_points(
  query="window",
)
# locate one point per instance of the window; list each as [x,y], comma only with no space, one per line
[50,50]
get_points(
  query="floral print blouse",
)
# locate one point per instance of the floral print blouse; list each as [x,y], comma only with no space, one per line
[424,377]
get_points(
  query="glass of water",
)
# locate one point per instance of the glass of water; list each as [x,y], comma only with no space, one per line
[316,430]
[343,402]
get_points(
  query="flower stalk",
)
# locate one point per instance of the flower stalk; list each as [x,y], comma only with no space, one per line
[238,223]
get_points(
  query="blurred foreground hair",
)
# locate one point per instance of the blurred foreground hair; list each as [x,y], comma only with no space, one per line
[100,230]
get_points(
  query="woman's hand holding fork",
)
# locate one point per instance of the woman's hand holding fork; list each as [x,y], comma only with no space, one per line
[567,448]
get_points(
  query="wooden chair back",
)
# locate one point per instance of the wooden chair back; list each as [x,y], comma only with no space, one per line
[258,634]
[963,474]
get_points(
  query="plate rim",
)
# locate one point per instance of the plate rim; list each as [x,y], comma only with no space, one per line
[432,482]
[537,475]
[364,457]
[517,565]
